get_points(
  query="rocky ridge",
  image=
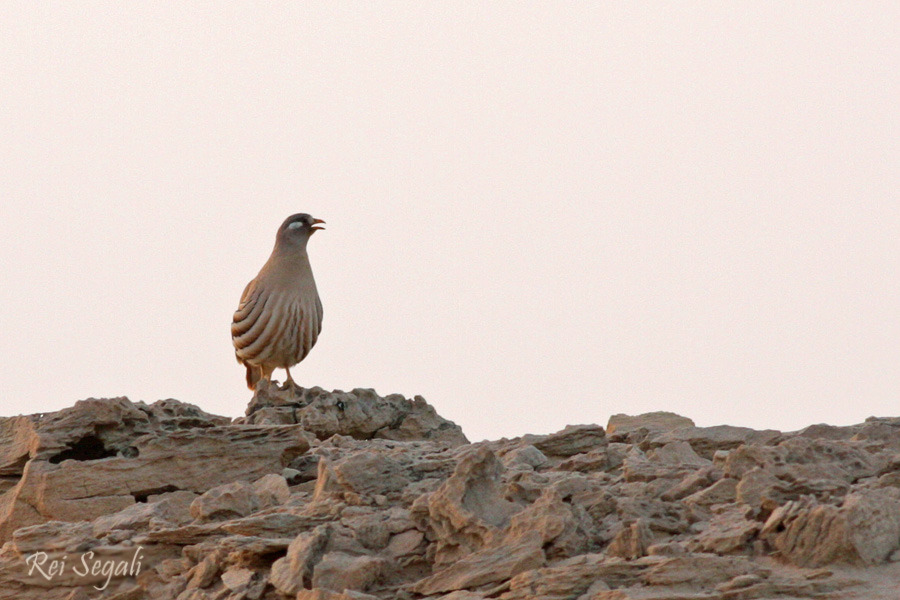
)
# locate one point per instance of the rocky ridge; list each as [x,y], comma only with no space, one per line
[318,495]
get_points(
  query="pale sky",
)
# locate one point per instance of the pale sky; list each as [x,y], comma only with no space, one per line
[539,213]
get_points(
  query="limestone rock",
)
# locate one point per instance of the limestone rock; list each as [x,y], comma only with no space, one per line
[673,460]
[723,491]
[492,564]
[360,413]
[729,532]
[83,469]
[294,572]
[527,455]
[705,441]
[467,510]
[864,529]
[271,490]
[239,499]
[325,594]
[621,425]
[170,509]
[694,482]
[588,462]
[351,496]
[340,571]
[759,488]
[19,440]
[405,544]
[698,569]
[462,595]
[225,501]
[237,580]
[370,474]
[573,577]
[574,439]
[632,541]
[564,530]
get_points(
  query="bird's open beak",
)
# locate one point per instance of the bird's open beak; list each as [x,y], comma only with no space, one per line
[316,222]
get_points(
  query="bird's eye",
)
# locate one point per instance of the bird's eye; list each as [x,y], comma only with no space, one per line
[296,225]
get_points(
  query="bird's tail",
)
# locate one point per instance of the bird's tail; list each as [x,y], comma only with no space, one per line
[253,376]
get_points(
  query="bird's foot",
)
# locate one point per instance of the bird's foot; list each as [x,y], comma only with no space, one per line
[290,384]
[292,387]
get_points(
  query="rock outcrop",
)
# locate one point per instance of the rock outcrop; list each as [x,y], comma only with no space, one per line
[316,495]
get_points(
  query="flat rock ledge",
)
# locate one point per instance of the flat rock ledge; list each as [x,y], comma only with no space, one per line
[317,495]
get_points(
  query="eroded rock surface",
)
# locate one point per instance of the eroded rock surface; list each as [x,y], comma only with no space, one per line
[317,495]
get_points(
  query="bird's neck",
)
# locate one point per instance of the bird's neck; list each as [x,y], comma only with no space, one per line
[289,263]
[293,258]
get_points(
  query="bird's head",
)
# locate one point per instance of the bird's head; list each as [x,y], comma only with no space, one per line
[297,229]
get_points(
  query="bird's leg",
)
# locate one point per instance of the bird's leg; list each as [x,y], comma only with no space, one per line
[290,380]
[266,375]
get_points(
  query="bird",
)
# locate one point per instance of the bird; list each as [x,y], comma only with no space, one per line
[279,316]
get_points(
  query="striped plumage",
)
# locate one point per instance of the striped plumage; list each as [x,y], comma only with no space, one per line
[280,315]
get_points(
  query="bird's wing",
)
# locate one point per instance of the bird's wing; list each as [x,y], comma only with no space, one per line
[320,313]
[246,316]
[246,294]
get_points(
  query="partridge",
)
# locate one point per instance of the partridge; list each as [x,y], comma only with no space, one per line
[280,315]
